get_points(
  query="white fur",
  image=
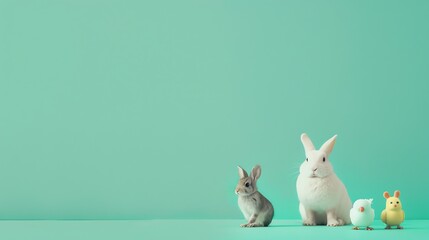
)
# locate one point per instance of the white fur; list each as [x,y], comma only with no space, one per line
[323,197]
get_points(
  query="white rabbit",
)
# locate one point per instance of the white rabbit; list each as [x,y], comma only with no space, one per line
[257,210]
[323,197]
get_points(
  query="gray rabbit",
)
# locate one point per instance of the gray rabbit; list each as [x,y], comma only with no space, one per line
[257,210]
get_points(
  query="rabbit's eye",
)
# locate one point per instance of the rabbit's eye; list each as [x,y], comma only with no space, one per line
[306,159]
[323,158]
[247,184]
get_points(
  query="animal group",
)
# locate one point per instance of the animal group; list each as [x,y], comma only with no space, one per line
[323,198]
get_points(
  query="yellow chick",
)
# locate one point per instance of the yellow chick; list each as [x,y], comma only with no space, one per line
[393,215]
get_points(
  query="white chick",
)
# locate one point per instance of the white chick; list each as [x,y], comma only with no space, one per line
[362,215]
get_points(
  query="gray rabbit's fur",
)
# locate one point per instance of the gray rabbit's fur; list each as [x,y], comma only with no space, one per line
[257,210]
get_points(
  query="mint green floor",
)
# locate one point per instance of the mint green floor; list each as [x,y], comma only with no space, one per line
[198,229]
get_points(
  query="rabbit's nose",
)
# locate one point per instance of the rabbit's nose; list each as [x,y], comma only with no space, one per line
[314,169]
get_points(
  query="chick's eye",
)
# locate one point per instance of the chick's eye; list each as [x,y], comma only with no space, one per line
[323,158]
[391,202]
[247,184]
[397,202]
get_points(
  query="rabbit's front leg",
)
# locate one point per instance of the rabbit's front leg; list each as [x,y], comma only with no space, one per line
[310,218]
[332,219]
[251,222]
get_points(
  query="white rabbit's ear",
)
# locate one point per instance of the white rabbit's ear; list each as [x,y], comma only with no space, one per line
[256,172]
[306,141]
[329,145]
[242,173]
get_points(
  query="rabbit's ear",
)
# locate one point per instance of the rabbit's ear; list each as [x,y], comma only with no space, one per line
[241,172]
[386,195]
[256,172]
[397,193]
[306,141]
[329,145]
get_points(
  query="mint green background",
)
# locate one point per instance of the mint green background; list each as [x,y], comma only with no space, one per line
[140,110]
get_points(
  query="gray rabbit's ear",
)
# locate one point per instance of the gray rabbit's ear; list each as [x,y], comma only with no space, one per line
[306,141]
[329,145]
[242,173]
[256,172]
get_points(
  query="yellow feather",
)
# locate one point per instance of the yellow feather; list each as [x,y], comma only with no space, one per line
[383,216]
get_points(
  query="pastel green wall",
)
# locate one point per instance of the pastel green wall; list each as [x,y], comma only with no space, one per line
[137,110]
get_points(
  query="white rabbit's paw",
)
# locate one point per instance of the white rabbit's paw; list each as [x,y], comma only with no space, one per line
[309,222]
[335,223]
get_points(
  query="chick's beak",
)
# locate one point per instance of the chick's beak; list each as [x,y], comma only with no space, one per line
[361,209]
